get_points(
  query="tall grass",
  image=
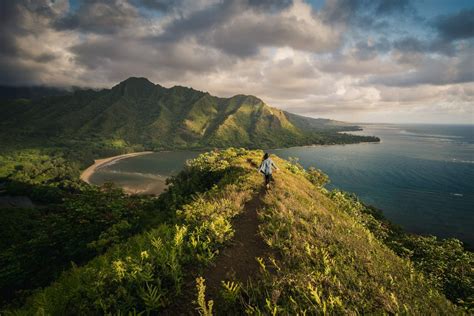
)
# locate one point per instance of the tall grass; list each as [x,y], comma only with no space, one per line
[326,258]
[146,272]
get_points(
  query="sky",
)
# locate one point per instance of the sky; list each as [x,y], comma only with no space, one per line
[395,61]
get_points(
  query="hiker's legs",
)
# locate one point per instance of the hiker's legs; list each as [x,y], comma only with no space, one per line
[268,179]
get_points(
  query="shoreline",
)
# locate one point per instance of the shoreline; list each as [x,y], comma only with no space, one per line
[98,163]
[322,145]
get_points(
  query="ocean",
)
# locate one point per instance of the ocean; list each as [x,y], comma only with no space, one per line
[420,176]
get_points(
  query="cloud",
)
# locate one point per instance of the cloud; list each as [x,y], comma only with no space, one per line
[432,71]
[455,26]
[105,16]
[449,30]
[241,28]
[391,6]
[349,59]
[25,25]
[366,13]
[160,5]
[438,45]
[249,32]
[162,62]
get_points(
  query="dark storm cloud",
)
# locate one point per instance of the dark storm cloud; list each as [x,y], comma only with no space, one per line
[13,15]
[456,26]
[105,17]
[9,15]
[363,12]
[14,73]
[449,29]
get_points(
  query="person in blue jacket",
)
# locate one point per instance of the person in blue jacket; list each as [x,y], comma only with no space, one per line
[266,167]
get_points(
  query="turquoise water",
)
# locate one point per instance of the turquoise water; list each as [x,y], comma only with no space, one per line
[421,176]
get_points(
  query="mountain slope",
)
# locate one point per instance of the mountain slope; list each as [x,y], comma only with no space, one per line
[322,259]
[34,92]
[137,111]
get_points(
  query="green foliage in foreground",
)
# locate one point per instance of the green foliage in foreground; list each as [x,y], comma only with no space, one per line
[78,222]
[37,244]
[147,271]
[328,256]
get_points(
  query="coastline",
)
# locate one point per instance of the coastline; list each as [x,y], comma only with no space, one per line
[98,163]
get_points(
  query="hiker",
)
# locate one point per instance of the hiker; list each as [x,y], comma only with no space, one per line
[266,168]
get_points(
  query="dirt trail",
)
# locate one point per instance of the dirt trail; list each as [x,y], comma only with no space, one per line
[235,262]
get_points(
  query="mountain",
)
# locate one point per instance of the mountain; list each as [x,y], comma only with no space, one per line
[306,250]
[34,92]
[137,111]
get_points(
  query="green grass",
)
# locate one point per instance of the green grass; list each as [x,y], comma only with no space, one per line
[146,272]
[328,262]
[330,254]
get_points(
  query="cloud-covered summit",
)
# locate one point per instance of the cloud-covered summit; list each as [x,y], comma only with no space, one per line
[361,60]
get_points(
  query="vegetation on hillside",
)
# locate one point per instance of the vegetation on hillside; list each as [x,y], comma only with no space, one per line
[329,252]
[35,92]
[137,113]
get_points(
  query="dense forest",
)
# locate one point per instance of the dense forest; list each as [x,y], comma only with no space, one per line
[95,250]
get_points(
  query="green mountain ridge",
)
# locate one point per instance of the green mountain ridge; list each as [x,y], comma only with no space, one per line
[138,112]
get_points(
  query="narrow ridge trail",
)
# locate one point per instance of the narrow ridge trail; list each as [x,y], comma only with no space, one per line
[236,262]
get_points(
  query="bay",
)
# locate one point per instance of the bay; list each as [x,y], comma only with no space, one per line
[421,176]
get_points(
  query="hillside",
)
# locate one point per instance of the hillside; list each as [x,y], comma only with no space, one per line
[316,252]
[33,92]
[137,112]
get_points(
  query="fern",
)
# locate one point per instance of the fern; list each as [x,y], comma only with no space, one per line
[152,297]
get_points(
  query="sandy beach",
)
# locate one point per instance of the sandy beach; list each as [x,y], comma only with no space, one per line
[98,163]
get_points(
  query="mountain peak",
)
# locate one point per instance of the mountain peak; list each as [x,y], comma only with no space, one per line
[135,87]
[248,98]
[136,81]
